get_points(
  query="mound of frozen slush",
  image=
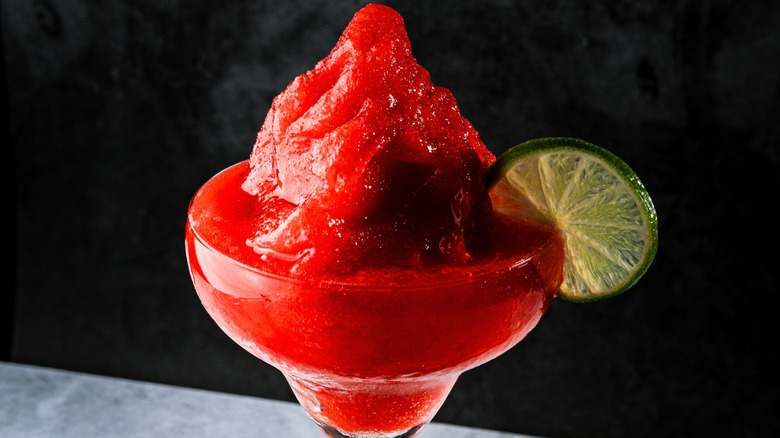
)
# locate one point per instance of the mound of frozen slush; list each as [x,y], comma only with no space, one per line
[362,161]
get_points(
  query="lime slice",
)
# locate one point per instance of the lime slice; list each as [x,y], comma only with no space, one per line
[596,202]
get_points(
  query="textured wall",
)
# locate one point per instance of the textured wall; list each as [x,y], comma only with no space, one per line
[120,110]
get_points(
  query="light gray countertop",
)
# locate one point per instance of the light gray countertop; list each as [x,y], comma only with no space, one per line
[42,402]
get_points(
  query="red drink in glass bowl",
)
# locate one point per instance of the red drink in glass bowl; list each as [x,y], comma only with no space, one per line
[374,353]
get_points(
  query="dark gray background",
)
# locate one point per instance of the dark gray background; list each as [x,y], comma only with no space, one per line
[120,110]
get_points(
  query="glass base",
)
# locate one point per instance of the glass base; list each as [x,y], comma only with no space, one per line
[372,407]
[333,433]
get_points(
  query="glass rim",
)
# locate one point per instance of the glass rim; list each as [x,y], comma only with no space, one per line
[433,281]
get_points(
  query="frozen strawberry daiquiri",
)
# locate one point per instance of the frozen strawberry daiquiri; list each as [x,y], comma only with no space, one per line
[358,250]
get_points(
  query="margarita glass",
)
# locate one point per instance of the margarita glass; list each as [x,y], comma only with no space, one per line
[375,355]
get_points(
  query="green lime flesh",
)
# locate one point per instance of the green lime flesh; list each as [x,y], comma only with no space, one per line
[597,203]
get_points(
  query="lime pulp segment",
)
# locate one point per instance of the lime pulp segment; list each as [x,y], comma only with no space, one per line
[598,204]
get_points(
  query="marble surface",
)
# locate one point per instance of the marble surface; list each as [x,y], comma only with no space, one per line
[45,402]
